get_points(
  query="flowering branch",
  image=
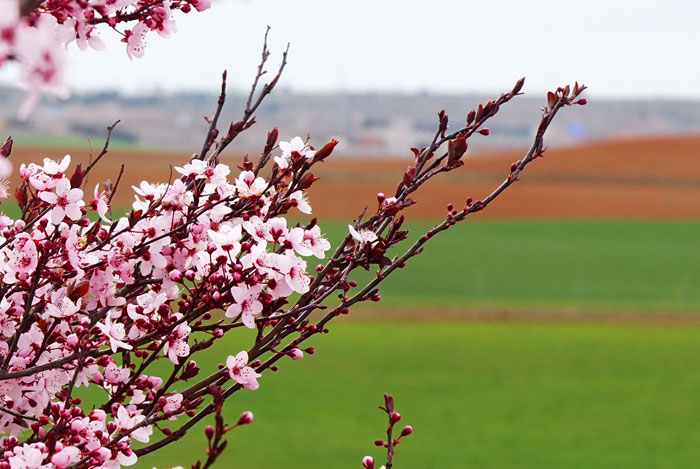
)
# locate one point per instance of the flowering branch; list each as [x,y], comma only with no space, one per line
[35,33]
[391,442]
[98,302]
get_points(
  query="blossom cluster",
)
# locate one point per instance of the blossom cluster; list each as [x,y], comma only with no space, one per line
[37,38]
[91,300]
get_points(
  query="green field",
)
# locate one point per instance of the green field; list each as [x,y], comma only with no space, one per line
[498,394]
[478,395]
[597,266]
[501,394]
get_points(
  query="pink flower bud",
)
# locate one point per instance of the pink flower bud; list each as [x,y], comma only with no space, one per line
[296,354]
[245,418]
[209,431]
[368,462]
[407,430]
[175,276]
[394,417]
[485,131]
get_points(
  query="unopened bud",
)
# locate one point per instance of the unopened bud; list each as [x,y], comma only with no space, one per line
[407,430]
[175,276]
[394,417]
[325,150]
[368,462]
[209,431]
[245,418]
[485,131]
[296,354]
[6,148]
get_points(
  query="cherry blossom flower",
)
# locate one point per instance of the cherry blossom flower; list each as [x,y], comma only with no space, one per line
[295,147]
[65,201]
[136,41]
[176,345]
[228,238]
[363,236]
[5,167]
[127,421]
[115,333]
[246,305]
[300,200]
[101,203]
[240,372]
[22,260]
[250,186]
[309,242]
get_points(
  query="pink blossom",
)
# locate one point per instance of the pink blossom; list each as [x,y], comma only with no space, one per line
[115,333]
[65,201]
[136,41]
[294,148]
[5,168]
[127,421]
[246,305]
[176,345]
[101,203]
[309,242]
[66,457]
[228,238]
[240,372]
[296,353]
[250,186]
[28,456]
[65,308]
[41,56]
[294,270]
[201,5]
[22,260]
[363,236]
[301,202]
[56,169]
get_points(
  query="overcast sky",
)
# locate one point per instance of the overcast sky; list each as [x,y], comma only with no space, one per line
[625,48]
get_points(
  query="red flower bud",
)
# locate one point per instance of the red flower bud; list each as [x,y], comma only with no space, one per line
[6,148]
[368,462]
[407,430]
[76,180]
[325,150]
[209,431]
[245,418]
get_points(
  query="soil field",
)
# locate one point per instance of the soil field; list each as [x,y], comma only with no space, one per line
[642,178]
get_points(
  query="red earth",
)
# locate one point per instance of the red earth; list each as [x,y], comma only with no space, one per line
[641,178]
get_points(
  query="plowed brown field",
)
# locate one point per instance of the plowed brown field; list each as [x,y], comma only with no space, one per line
[649,178]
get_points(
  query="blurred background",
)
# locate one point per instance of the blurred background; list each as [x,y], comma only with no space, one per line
[559,328]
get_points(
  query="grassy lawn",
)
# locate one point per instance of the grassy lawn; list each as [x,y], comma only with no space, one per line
[610,265]
[478,395]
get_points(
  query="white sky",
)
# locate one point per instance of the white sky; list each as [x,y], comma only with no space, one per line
[620,48]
